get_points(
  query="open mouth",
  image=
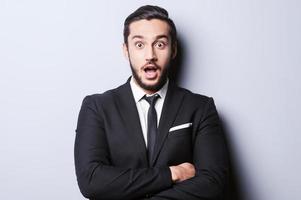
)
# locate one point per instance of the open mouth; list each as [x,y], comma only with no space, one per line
[151,71]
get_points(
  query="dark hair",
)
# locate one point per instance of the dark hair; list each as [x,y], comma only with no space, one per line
[149,12]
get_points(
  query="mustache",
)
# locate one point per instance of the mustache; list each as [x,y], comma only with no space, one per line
[150,64]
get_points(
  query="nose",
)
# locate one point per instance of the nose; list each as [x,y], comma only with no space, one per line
[150,54]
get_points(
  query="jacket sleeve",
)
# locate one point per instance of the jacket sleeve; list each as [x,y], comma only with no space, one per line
[97,177]
[210,160]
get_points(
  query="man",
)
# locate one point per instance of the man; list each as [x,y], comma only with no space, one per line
[149,138]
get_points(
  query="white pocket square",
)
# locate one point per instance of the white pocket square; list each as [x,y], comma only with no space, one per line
[187,125]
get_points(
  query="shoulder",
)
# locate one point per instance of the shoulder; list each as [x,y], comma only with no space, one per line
[193,98]
[198,103]
[107,97]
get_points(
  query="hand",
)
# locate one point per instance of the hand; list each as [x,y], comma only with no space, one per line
[182,172]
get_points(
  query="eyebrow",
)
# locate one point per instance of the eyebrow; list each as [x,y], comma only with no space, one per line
[157,37]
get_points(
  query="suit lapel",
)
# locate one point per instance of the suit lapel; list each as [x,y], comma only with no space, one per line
[128,110]
[170,110]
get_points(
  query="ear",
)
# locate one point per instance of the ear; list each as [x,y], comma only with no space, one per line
[174,50]
[125,50]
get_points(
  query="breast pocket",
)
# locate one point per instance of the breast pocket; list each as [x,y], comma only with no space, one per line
[178,148]
[180,132]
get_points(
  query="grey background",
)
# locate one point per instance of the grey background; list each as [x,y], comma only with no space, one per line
[246,54]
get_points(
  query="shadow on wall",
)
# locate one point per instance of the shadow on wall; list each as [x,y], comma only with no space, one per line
[233,190]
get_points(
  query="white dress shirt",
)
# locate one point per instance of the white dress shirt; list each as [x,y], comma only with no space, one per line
[143,105]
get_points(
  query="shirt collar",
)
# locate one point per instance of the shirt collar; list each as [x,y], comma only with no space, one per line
[139,93]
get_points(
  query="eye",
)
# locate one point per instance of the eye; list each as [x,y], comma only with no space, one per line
[139,45]
[160,45]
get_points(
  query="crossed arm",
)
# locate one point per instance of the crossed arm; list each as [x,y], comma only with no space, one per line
[98,179]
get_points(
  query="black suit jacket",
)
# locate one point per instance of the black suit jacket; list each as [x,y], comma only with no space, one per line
[111,156]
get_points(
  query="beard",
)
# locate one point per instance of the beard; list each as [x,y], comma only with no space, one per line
[154,87]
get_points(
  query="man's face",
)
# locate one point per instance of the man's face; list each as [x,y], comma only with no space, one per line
[149,51]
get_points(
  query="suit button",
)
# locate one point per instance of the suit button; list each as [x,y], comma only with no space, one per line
[147,196]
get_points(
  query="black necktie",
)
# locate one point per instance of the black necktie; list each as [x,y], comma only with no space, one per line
[151,125]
